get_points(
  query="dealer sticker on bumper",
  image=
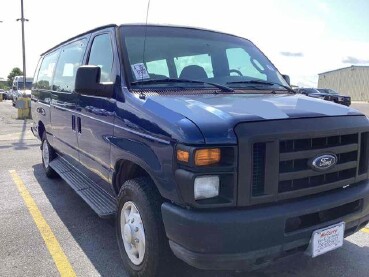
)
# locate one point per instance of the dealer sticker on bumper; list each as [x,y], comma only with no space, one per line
[326,239]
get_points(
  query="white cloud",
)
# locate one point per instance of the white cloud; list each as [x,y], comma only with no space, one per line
[323,6]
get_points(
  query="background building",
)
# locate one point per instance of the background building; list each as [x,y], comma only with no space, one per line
[352,81]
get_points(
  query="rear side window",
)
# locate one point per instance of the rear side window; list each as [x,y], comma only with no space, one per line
[102,55]
[69,61]
[46,72]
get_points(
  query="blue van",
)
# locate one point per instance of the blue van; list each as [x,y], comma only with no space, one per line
[198,146]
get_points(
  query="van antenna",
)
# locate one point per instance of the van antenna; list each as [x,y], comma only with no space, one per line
[142,96]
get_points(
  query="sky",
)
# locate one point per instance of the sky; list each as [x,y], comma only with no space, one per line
[302,38]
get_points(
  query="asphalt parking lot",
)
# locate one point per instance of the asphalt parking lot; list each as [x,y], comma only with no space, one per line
[46,228]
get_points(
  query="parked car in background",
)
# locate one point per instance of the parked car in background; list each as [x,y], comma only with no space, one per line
[7,95]
[334,96]
[20,89]
[325,94]
[313,92]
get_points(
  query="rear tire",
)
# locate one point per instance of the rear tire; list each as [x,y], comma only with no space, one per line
[47,154]
[141,237]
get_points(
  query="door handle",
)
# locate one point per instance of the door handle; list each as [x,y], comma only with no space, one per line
[79,127]
[74,123]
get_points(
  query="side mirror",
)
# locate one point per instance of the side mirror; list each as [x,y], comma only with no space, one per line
[287,79]
[88,82]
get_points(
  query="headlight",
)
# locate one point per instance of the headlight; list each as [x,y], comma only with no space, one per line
[206,187]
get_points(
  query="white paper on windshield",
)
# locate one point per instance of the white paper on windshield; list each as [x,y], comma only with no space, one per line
[140,71]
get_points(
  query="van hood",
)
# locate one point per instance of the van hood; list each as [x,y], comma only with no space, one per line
[217,115]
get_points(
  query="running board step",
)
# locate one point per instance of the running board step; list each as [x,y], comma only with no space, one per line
[99,200]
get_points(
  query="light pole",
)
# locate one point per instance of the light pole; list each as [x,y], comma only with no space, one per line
[22,19]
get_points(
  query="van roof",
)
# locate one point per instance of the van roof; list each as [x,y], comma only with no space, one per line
[131,24]
[20,78]
[77,36]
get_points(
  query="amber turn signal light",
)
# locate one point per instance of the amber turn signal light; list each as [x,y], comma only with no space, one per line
[207,156]
[183,156]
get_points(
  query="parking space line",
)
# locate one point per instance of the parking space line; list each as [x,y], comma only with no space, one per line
[60,259]
[365,230]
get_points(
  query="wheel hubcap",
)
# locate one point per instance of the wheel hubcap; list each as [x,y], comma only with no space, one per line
[45,153]
[128,233]
[133,233]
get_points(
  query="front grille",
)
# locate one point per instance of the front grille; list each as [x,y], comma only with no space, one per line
[275,157]
[295,172]
[363,163]
[258,169]
[323,179]
[292,169]
[294,145]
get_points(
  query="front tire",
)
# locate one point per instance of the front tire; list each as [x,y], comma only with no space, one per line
[48,154]
[141,237]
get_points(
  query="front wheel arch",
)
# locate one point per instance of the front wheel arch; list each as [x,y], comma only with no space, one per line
[126,170]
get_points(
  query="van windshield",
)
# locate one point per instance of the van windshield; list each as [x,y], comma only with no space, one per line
[170,53]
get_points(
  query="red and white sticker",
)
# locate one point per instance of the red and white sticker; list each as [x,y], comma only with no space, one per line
[327,239]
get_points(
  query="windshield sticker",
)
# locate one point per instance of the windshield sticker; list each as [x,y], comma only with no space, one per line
[140,71]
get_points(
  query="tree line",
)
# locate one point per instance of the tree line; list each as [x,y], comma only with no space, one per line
[8,83]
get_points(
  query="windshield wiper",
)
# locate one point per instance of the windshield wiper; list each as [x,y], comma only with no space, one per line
[175,80]
[263,83]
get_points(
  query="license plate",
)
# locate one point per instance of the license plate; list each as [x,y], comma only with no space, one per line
[326,239]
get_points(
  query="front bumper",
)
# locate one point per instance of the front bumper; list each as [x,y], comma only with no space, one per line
[346,102]
[245,239]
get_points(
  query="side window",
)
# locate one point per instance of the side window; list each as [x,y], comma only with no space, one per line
[101,54]
[157,68]
[240,62]
[203,60]
[45,74]
[69,61]
[35,75]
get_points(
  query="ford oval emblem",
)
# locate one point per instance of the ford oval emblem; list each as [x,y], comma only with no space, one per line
[323,162]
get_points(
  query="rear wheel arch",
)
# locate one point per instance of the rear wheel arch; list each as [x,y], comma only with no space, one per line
[48,154]
[41,129]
